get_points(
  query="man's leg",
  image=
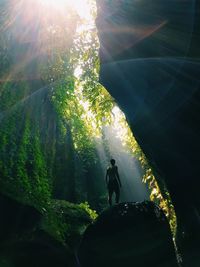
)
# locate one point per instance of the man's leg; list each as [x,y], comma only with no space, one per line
[110,193]
[117,194]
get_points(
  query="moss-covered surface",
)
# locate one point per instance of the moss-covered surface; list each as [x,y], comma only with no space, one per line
[41,238]
[66,221]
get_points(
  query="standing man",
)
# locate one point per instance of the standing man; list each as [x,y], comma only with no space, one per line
[113,182]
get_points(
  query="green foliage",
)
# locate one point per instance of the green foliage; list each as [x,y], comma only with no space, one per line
[85,56]
[86,207]
[23,168]
[163,199]
[66,222]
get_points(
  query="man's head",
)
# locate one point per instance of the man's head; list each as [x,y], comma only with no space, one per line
[112,161]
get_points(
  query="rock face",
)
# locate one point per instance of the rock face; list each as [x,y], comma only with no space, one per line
[16,218]
[128,234]
[23,244]
[148,53]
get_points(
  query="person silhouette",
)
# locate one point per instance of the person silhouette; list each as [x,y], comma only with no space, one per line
[113,182]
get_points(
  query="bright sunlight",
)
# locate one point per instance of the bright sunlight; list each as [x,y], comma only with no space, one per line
[80,6]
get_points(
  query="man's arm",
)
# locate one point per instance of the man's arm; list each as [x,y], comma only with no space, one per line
[117,174]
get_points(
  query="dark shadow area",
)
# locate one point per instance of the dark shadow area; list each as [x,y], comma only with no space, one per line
[128,234]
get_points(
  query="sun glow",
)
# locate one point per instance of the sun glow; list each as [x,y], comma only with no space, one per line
[79,6]
[46,27]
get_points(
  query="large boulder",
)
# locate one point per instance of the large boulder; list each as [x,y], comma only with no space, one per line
[128,234]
